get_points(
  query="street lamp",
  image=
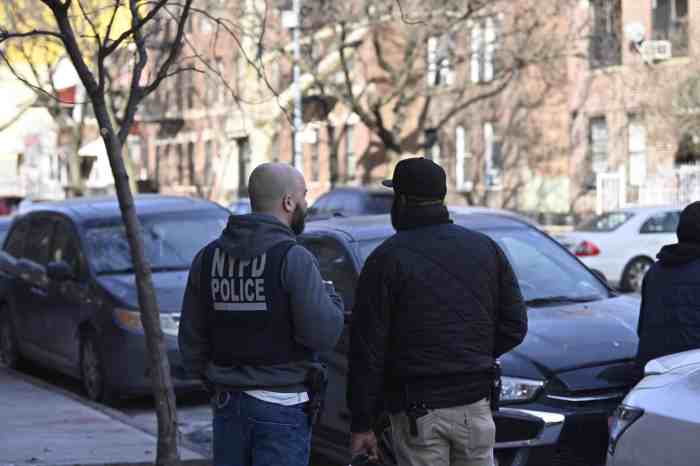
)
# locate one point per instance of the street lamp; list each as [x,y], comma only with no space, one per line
[292,20]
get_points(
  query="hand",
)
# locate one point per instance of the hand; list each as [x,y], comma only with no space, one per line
[364,442]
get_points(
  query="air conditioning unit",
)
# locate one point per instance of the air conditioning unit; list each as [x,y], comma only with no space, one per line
[657,50]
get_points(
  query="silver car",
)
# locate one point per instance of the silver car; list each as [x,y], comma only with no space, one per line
[658,422]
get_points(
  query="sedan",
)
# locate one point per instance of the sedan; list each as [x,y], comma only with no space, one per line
[68,293]
[659,420]
[559,386]
[350,202]
[623,244]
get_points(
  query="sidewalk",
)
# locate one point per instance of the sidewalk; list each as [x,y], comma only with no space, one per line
[41,426]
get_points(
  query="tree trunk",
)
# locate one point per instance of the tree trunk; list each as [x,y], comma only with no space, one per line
[166,409]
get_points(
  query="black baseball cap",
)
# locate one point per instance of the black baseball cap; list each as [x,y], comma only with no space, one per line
[419,177]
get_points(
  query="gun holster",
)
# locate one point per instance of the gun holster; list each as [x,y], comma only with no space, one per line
[495,396]
[317,383]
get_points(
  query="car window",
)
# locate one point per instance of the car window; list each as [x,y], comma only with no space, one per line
[321,204]
[610,221]
[535,260]
[66,247]
[15,240]
[335,264]
[380,203]
[3,232]
[170,240]
[666,223]
[40,232]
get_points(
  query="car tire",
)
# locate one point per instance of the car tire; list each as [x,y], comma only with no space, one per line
[9,350]
[93,371]
[634,273]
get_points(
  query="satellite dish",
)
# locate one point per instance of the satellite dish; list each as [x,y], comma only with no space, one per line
[635,32]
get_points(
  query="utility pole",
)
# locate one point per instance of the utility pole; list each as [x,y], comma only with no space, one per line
[298,158]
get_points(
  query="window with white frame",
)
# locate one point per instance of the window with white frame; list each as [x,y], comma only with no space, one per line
[637,149]
[439,57]
[493,155]
[463,159]
[350,156]
[598,144]
[670,22]
[485,42]
[432,144]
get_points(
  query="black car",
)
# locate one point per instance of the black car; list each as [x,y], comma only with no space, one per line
[68,297]
[559,385]
[351,202]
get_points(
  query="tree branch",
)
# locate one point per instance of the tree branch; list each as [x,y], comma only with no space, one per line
[6,35]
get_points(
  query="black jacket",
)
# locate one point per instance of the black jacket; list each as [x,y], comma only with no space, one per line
[435,305]
[669,320]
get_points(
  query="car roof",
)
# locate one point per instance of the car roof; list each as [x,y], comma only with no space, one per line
[361,189]
[366,227]
[649,209]
[82,209]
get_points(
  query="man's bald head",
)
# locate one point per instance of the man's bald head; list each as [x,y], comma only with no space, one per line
[270,183]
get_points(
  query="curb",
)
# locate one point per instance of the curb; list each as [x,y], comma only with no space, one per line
[116,415]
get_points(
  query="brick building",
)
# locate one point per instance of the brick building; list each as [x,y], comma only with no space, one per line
[591,101]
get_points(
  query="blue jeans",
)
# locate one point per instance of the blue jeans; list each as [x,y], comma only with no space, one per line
[252,432]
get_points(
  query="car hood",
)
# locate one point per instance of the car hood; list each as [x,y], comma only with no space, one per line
[169,288]
[673,362]
[573,336]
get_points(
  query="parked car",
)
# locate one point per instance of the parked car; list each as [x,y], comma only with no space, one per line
[559,386]
[68,297]
[659,421]
[241,206]
[623,244]
[4,226]
[350,202]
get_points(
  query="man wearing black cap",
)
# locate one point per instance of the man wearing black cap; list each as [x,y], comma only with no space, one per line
[436,304]
[669,320]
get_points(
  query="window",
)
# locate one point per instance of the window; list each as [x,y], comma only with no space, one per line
[65,248]
[432,145]
[607,222]
[208,161]
[15,240]
[666,223]
[464,160]
[598,144]
[439,57]
[605,46]
[670,22]
[350,158]
[40,232]
[335,265]
[189,89]
[315,156]
[180,164]
[190,163]
[493,155]
[244,160]
[485,37]
[637,149]
[221,83]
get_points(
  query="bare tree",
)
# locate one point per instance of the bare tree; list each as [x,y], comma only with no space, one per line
[94,61]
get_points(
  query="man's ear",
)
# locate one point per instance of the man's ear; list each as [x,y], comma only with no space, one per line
[288,203]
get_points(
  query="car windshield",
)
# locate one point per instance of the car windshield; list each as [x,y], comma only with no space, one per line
[170,240]
[610,221]
[545,271]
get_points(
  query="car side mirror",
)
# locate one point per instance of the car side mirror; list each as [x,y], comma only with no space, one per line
[59,271]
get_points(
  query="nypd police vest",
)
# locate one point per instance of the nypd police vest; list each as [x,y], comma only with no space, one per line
[249,313]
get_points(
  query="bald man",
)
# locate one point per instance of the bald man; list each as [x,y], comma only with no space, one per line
[255,314]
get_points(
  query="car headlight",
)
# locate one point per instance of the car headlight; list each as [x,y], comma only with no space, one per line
[131,320]
[622,418]
[517,389]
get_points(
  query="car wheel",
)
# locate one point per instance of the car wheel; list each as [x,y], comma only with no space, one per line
[9,352]
[634,273]
[92,371]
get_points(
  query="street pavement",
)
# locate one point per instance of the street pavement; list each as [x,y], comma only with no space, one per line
[45,420]
[41,424]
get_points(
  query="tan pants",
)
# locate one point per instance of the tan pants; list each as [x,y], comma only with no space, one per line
[459,436]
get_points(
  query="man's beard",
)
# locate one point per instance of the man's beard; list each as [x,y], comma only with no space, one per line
[298,220]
